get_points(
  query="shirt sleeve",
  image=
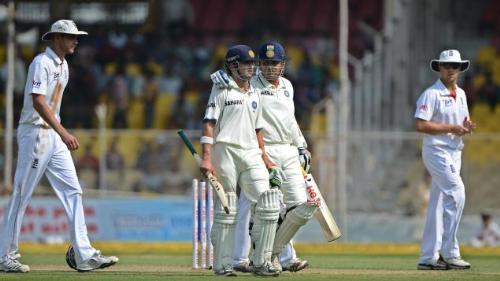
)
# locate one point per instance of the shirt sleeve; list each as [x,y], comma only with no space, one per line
[425,106]
[37,80]
[215,104]
[298,137]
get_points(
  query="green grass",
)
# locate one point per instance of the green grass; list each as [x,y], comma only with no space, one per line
[170,266]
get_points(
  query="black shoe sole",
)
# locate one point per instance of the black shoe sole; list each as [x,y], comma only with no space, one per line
[431,267]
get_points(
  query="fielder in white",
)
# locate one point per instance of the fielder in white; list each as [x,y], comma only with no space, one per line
[44,148]
[443,116]
[231,138]
[284,144]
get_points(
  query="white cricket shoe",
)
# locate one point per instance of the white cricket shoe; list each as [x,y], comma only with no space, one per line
[97,261]
[295,265]
[275,261]
[12,265]
[457,263]
[243,266]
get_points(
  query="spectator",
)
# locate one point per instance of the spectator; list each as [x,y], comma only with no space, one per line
[120,97]
[489,235]
[88,161]
[87,167]
[114,160]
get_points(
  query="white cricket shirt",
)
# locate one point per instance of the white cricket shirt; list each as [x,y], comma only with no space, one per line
[278,112]
[45,71]
[237,115]
[437,105]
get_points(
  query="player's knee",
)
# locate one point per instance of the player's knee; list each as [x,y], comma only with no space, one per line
[300,214]
[268,207]
[220,216]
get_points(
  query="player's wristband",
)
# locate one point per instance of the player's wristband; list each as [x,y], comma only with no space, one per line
[207,140]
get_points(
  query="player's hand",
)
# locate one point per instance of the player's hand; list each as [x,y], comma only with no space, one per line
[276,177]
[469,124]
[305,159]
[220,79]
[70,141]
[459,130]
[206,167]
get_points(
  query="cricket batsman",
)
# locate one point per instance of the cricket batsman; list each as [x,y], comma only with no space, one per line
[232,131]
[284,150]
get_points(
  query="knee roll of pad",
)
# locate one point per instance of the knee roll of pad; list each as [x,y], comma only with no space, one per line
[268,206]
[220,215]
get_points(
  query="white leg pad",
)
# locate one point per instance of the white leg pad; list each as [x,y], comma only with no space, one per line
[222,234]
[264,228]
[294,220]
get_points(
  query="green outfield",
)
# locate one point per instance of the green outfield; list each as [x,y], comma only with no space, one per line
[339,262]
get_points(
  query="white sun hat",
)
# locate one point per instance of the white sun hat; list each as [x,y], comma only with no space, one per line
[63,26]
[450,56]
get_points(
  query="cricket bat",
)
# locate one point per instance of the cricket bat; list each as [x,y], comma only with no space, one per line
[219,190]
[329,227]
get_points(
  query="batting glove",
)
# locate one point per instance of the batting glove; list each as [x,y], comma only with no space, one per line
[276,177]
[305,159]
[220,79]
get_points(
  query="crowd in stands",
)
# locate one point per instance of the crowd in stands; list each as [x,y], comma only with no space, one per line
[155,75]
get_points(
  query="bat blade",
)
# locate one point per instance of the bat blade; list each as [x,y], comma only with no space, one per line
[329,226]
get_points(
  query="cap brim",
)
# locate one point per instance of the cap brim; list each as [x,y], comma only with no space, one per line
[47,35]
[464,65]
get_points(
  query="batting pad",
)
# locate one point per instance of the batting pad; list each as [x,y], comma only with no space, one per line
[264,228]
[222,234]
[294,220]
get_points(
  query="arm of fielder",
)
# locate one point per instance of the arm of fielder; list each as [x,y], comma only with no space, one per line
[219,190]
[329,227]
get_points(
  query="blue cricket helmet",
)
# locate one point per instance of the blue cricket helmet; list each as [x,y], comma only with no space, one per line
[272,51]
[240,53]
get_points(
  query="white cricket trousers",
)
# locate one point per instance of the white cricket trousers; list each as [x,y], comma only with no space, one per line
[41,151]
[446,203]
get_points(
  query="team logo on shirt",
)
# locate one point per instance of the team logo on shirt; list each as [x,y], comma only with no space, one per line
[423,108]
[211,104]
[36,84]
[254,105]
[267,93]
[233,102]
[287,94]
[56,75]
[448,102]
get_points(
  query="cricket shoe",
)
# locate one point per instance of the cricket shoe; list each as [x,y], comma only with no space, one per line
[457,263]
[275,260]
[225,271]
[13,265]
[97,261]
[295,265]
[265,270]
[438,265]
[243,266]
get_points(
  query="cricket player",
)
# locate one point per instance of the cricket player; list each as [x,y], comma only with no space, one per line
[285,148]
[231,141]
[44,148]
[443,116]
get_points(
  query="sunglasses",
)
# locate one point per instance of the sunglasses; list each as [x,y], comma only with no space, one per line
[452,65]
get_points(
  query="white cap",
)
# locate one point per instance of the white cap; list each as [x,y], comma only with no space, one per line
[63,26]
[450,56]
